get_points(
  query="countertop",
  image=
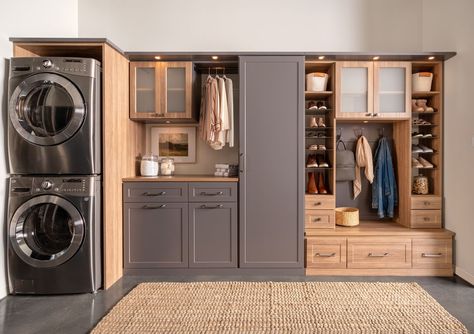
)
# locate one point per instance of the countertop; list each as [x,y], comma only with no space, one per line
[181,178]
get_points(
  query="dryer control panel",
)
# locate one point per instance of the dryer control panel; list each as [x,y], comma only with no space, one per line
[69,186]
[71,65]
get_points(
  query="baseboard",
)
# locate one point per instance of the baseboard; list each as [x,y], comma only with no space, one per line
[468,277]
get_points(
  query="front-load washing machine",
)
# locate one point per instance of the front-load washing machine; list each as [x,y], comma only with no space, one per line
[54,113]
[54,235]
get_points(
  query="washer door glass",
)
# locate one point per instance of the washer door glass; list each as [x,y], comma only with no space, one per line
[46,231]
[46,109]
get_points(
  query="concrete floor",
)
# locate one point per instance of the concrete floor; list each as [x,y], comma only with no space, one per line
[79,313]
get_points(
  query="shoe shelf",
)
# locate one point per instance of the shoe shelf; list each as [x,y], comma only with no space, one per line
[319,128]
[417,95]
[427,113]
[313,112]
[317,95]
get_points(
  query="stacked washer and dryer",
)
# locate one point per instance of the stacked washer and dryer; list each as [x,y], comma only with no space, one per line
[54,147]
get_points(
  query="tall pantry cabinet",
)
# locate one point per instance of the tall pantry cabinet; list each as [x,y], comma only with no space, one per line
[271,161]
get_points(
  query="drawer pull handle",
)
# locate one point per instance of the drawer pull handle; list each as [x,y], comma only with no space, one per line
[426,219]
[325,254]
[204,206]
[379,255]
[220,193]
[154,194]
[316,219]
[317,203]
[431,255]
[146,206]
[427,203]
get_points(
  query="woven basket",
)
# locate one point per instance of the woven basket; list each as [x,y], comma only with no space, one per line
[347,216]
[421,81]
[316,82]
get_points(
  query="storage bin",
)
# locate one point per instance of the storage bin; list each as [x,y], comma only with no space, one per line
[346,216]
[421,81]
[316,81]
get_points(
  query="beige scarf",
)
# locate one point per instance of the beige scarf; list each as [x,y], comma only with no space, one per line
[363,159]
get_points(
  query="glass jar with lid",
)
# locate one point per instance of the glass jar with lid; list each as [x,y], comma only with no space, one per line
[420,185]
[149,165]
[167,166]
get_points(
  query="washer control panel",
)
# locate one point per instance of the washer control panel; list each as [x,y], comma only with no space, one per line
[69,186]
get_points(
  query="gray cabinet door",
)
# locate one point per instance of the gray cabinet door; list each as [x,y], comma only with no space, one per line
[271,149]
[156,235]
[213,235]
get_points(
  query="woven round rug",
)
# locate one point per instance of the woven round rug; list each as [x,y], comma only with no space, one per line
[278,307]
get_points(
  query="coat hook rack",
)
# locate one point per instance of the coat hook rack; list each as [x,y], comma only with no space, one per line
[338,134]
[358,132]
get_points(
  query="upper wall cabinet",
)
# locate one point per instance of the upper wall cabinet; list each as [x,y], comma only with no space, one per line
[161,91]
[373,90]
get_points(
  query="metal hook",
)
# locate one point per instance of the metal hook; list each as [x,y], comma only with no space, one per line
[358,132]
[381,132]
[338,134]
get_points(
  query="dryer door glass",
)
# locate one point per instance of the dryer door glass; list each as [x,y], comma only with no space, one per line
[47,231]
[46,109]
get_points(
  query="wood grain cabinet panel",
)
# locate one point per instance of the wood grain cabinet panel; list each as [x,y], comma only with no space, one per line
[378,252]
[432,253]
[426,202]
[316,202]
[213,235]
[328,253]
[425,218]
[320,219]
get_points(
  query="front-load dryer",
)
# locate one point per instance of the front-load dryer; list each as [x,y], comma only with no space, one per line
[54,235]
[54,116]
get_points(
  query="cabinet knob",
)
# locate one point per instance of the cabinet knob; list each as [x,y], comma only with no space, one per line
[316,219]
[427,203]
[368,114]
[317,203]
[426,219]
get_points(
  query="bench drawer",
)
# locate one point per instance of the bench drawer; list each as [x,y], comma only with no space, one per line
[212,192]
[327,253]
[378,252]
[320,202]
[432,253]
[155,192]
[319,219]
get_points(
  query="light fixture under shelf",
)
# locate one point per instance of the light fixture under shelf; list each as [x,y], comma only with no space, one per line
[431,57]
[376,58]
[215,57]
[158,57]
[321,57]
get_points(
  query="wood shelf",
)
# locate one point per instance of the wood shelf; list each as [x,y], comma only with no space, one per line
[424,94]
[316,95]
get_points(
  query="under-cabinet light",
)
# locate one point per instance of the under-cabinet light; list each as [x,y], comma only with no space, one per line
[376,58]
[321,57]
[431,58]
[215,57]
[157,57]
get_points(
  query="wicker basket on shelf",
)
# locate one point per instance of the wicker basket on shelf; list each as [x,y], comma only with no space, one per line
[346,216]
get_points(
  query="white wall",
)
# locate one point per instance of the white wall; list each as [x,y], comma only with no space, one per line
[21,18]
[449,25]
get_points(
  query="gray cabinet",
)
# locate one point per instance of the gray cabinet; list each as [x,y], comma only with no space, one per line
[156,235]
[213,235]
[271,151]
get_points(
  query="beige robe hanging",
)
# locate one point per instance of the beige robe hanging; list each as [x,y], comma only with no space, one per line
[363,159]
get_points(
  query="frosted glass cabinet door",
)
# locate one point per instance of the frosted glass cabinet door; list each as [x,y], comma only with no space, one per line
[354,89]
[392,88]
[144,85]
[177,90]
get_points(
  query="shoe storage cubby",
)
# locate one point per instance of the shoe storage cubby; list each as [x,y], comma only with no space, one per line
[426,148]
[319,128]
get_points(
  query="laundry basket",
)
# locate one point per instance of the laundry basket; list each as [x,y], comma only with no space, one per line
[346,216]
[316,81]
[421,81]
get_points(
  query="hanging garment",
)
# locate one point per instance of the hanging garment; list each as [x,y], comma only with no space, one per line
[229,89]
[384,188]
[363,157]
[209,121]
[223,124]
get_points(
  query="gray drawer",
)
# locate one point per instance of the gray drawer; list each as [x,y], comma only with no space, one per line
[155,192]
[213,192]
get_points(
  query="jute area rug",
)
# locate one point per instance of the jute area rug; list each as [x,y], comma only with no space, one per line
[270,307]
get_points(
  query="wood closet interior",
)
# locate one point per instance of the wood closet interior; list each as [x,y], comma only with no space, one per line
[282,228]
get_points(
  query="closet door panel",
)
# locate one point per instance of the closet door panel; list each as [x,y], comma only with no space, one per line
[272,185]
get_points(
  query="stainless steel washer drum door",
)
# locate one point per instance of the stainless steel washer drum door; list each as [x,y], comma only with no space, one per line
[46,109]
[46,231]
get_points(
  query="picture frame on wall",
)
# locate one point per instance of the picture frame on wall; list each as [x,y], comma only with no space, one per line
[178,143]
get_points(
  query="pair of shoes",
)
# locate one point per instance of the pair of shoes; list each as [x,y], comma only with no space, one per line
[421,149]
[419,121]
[420,163]
[312,188]
[319,123]
[316,105]
[314,161]
[421,135]
[315,147]
[420,105]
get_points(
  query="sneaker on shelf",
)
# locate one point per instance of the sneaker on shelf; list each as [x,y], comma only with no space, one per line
[416,149]
[322,163]
[321,105]
[311,105]
[416,135]
[311,162]
[322,147]
[415,163]
[425,163]
[313,147]
[427,135]
[321,122]
[313,123]
[425,149]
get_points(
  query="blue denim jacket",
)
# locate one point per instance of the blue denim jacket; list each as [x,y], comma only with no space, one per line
[384,187]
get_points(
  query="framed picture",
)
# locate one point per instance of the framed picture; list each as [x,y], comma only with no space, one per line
[178,143]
